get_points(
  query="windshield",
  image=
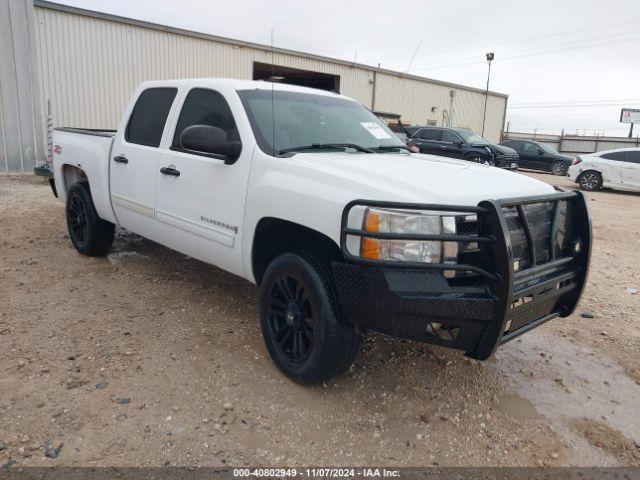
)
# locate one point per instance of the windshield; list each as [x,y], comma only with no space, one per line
[306,119]
[472,138]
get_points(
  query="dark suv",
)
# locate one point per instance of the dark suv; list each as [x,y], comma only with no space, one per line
[538,156]
[465,144]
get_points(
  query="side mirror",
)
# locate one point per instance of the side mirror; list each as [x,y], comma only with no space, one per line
[540,151]
[210,140]
[458,143]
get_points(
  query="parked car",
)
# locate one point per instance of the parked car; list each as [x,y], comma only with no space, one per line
[465,144]
[399,130]
[538,156]
[619,169]
[320,204]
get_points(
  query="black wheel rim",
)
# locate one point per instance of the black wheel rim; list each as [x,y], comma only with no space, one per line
[290,319]
[78,226]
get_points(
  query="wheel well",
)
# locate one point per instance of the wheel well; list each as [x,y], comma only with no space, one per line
[590,170]
[71,175]
[274,236]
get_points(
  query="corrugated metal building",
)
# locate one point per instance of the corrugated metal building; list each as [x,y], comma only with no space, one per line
[86,64]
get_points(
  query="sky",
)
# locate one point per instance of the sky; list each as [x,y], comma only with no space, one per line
[565,64]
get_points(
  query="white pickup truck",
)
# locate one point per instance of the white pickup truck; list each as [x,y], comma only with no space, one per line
[307,194]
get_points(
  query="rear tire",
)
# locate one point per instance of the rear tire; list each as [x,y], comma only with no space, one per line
[89,234]
[301,322]
[590,180]
[559,169]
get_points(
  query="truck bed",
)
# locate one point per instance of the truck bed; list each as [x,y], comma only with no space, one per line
[88,150]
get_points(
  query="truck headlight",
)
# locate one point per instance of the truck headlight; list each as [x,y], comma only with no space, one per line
[419,251]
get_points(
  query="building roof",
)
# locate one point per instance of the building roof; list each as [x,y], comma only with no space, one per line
[242,43]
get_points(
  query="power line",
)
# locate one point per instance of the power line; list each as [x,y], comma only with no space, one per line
[527,39]
[632,38]
[560,113]
[566,102]
[527,51]
[575,105]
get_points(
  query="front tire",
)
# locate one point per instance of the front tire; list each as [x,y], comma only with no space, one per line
[559,169]
[300,320]
[590,180]
[89,234]
[490,161]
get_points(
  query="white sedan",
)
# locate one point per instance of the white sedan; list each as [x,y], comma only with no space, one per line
[619,169]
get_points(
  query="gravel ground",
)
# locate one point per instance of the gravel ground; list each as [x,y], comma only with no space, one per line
[149,358]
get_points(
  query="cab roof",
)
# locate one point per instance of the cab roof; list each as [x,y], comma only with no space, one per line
[237,85]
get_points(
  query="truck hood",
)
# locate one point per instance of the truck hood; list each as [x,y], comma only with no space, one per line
[412,178]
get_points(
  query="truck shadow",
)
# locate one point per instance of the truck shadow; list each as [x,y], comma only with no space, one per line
[383,363]
[400,399]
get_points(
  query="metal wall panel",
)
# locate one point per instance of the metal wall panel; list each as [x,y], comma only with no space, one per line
[420,102]
[91,65]
[12,161]
[21,135]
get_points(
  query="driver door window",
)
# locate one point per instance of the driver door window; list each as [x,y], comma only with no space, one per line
[530,156]
[205,107]
[451,137]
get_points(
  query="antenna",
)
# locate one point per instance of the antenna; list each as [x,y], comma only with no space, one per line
[414,56]
[273,113]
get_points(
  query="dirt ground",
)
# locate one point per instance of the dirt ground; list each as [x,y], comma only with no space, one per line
[149,358]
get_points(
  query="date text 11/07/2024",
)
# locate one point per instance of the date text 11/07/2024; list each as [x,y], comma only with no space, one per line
[317,472]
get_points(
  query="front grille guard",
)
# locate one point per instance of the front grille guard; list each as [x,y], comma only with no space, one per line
[495,264]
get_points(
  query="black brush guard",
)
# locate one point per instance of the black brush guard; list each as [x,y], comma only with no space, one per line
[416,301]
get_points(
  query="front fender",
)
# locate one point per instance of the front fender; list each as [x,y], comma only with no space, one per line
[297,200]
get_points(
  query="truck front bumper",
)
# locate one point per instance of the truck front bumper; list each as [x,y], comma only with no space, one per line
[418,302]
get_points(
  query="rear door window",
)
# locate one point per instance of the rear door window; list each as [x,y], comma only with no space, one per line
[431,134]
[149,116]
[618,156]
[633,157]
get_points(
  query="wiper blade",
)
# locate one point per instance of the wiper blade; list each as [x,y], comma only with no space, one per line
[326,146]
[383,148]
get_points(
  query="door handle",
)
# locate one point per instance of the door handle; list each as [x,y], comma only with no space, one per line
[170,171]
[120,159]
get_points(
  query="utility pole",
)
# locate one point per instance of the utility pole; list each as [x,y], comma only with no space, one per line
[631,131]
[490,57]
[452,94]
